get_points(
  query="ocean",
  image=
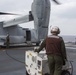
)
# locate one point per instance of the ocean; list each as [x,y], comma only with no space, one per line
[69,38]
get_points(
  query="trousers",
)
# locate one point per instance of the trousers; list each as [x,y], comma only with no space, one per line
[55,64]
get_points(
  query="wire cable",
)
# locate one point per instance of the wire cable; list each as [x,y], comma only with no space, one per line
[14,58]
[71,67]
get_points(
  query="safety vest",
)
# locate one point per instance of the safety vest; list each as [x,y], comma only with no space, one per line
[53,45]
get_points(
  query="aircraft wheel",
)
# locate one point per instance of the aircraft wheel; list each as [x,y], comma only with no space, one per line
[65,72]
[46,74]
[27,73]
[37,44]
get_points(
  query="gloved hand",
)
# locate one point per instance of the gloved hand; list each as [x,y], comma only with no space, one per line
[64,61]
[35,50]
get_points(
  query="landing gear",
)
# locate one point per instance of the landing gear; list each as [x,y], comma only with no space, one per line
[46,74]
[27,73]
[65,72]
[37,44]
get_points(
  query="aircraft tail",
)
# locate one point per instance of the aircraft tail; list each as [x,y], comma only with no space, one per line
[41,14]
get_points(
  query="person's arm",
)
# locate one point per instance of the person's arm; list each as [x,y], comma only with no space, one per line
[43,44]
[63,49]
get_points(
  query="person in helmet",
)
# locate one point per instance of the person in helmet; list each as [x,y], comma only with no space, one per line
[7,41]
[55,50]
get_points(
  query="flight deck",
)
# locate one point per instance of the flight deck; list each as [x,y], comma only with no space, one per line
[12,61]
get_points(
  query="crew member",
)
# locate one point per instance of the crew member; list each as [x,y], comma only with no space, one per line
[7,41]
[55,50]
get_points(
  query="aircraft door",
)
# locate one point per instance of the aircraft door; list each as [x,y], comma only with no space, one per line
[28,35]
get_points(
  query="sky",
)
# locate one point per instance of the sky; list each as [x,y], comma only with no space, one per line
[63,16]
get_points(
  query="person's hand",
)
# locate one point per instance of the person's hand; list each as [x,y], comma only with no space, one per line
[66,60]
[35,50]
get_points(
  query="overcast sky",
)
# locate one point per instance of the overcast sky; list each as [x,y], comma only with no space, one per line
[63,16]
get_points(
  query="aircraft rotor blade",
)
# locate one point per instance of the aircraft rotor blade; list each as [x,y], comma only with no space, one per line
[56,1]
[3,13]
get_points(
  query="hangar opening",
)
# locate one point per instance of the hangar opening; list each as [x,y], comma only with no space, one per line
[28,35]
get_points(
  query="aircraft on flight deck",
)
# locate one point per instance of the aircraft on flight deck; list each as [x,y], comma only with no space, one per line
[40,13]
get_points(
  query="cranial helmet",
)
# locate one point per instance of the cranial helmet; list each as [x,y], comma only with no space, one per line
[55,29]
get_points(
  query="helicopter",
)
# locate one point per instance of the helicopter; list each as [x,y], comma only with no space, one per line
[11,33]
